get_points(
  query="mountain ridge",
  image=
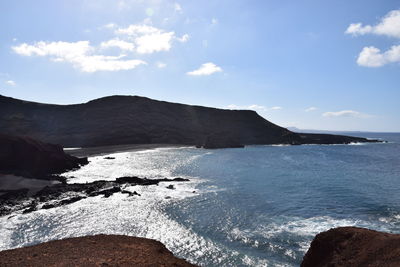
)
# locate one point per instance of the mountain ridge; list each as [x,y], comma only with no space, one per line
[118,119]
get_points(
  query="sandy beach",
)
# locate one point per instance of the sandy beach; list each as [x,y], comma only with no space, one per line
[105,150]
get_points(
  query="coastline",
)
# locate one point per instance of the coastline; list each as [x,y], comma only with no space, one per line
[106,150]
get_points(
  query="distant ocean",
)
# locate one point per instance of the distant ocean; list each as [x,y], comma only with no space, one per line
[257,206]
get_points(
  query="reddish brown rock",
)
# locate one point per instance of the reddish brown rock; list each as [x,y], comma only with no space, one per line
[355,247]
[99,250]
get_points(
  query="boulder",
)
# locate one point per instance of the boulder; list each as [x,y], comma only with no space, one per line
[352,246]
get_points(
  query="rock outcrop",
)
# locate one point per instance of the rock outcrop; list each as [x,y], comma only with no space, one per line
[352,246]
[24,156]
[63,194]
[118,120]
[98,250]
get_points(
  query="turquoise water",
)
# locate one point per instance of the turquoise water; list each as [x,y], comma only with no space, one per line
[258,206]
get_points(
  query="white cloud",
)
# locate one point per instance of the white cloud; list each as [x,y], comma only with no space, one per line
[138,29]
[256,107]
[154,42]
[161,65]
[276,108]
[123,45]
[310,109]
[149,39]
[373,57]
[79,54]
[110,26]
[184,38]
[10,82]
[346,113]
[178,7]
[253,107]
[388,26]
[205,69]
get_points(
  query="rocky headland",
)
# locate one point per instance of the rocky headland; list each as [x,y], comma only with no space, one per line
[352,246]
[99,250]
[118,120]
[27,157]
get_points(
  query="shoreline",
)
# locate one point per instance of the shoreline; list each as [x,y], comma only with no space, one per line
[106,150]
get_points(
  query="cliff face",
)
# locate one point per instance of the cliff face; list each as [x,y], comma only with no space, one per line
[131,120]
[24,156]
[352,246]
[100,250]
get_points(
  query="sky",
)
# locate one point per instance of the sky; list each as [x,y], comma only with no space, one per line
[310,64]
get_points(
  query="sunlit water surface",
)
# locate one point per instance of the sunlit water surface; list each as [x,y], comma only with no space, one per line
[258,206]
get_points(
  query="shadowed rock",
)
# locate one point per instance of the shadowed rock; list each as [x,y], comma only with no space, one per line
[352,246]
[27,157]
[118,120]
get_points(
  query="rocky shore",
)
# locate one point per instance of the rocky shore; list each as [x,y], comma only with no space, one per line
[63,194]
[99,250]
[352,246]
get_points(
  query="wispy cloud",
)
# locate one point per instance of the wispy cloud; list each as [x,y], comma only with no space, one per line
[161,65]
[80,54]
[253,107]
[346,113]
[276,108]
[11,82]
[178,8]
[184,38]
[205,69]
[310,109]
[388,26]
[110,26]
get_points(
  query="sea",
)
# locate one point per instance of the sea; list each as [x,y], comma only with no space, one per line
[256,206]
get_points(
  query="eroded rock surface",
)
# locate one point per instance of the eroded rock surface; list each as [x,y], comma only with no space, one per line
[98,250]
[352,246]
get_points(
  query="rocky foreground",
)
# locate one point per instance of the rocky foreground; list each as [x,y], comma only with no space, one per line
[99,250]
[352,246]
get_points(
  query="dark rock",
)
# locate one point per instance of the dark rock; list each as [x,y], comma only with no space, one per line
[352,246]
[24,156]
[63,194]
[222,140]
[170,187]
[136,180]
[179,179]
[118,120]
[134,193]
[109,191]
[48,206]
[109,158]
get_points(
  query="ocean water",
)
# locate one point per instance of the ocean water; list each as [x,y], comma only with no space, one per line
[257,206]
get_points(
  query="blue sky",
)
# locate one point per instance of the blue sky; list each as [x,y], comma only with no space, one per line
[317,64]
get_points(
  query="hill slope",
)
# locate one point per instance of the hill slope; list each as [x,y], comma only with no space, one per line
[132,120]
